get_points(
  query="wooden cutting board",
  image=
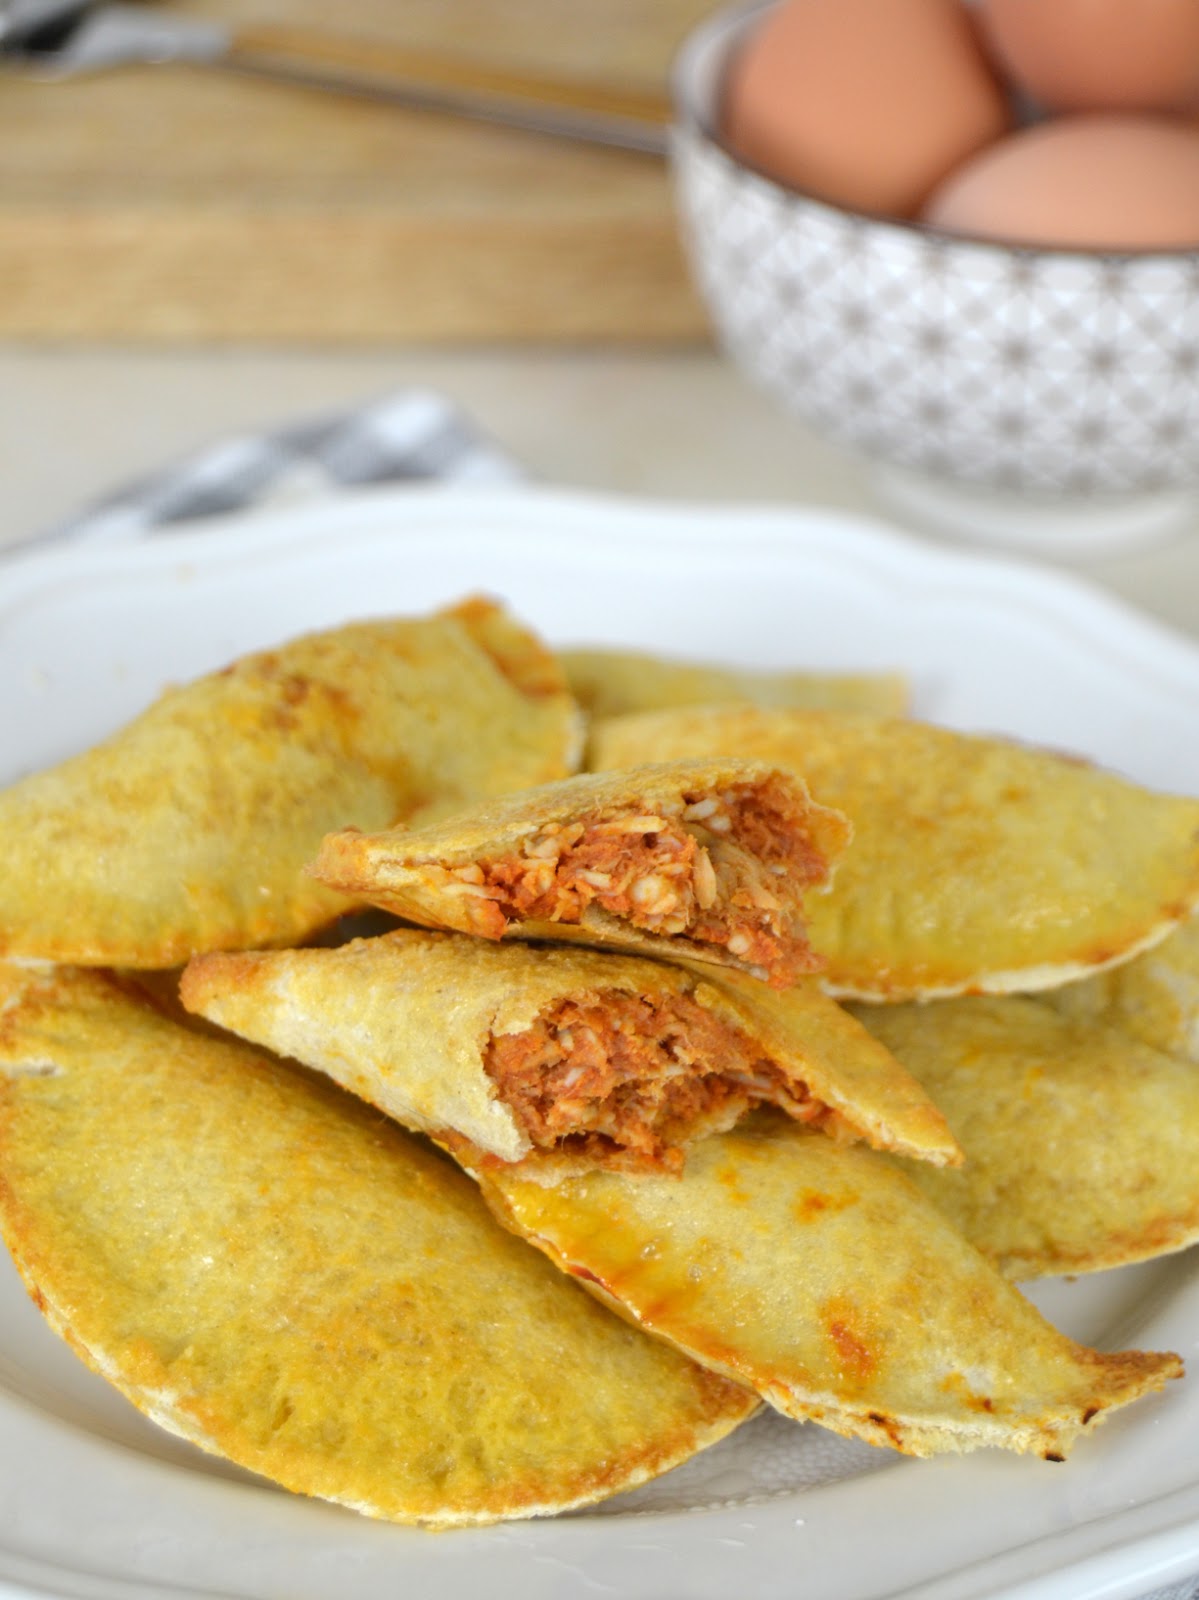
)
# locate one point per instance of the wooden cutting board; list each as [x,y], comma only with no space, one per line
[182,204]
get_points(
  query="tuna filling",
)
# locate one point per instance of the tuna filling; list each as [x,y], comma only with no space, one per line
[625,1081]
[729,869]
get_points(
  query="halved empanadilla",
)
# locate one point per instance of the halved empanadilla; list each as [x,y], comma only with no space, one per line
[978,865]
[610,683]
[565,1059]
[1082,1143]
[269,1269]
[708,860]
[188,830]
[1155,997]
[818,1274]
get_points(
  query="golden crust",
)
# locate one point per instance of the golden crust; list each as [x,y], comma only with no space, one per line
[391,869]
[1080,1140]
[821,1277]
[265,1267]
[188,829]
[403,1021]
[976,865]
[1154,998]
[611,683]
[829,1050]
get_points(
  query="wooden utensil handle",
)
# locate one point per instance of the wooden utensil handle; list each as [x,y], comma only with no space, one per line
[368,60]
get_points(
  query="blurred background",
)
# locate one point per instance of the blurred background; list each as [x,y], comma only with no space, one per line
[179,204]
[187,252]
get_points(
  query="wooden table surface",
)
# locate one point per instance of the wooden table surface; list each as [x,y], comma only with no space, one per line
[179,203]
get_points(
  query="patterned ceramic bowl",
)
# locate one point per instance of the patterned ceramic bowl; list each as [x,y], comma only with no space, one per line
[1039,396]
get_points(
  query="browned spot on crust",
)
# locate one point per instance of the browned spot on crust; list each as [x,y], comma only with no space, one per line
[297,699]
[730,1180]
[36,999]
[842,1324]
[588,1276]
[812,1204]
[889,1427]
[956,1385]
[850,1348]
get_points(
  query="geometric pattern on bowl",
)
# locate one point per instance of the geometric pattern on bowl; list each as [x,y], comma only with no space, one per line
[1019,369]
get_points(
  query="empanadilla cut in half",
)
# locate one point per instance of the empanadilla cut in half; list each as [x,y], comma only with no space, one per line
[188,830]
[1081,1141]
[564,1059]
[271,1270]
[819,1275]
[978,865]
[702,859]
[609,683]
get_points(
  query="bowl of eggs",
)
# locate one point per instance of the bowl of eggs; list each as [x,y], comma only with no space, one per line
[963,241]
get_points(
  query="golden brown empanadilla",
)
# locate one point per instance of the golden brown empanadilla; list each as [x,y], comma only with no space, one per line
[978,865]
[1155,997]
[819,1275]
[1082,1143]
[706,860]
[188,830]
[611,683]
[564,1059]
[271,1270]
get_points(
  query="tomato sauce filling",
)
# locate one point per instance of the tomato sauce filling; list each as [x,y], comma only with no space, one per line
[626,1081]
[725,869]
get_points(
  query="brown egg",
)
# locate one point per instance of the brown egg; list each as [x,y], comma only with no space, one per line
[1097,55]
[866,103]
[1120,181]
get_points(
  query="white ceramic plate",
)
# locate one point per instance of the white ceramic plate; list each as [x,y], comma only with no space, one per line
[96,1503]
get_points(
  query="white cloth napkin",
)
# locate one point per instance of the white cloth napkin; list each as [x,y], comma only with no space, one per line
[410,436]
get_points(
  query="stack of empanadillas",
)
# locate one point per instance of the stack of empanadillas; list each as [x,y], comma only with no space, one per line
[613,999]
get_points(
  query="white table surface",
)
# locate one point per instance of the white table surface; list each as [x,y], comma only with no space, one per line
[682,425]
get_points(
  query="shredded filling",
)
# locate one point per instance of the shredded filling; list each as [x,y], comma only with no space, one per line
[727,869]
[625,1081]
